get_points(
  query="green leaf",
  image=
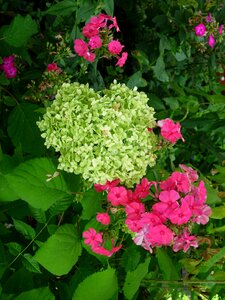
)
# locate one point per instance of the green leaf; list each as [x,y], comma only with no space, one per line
[14,248]
[60,206]
[108,6]
[38,214]
[218,212]
[23,129]
[136,80]
[91,203]
[19,31]
[100,285]
[7,193]
[180,56]
[26,230]
[130,258]
[61,251]
[43,293]
[206,266]
[166,265]
[63,8]
[85,11]
[29,180]
[134,278]
[159,70]
[30,263]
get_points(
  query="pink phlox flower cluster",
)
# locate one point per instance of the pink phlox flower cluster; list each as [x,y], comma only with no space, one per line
[53,67]
[179,202]
[95,241]
[8,66]
[95,31]
[106,187]
[170,130]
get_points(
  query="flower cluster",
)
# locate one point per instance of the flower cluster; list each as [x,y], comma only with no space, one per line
[100,40]
[210,30]
[101,135]
[8,66]
[159,213]
[53,67]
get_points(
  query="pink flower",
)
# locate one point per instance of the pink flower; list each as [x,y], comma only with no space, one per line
[106,187]
[89,56]
[90,29]
[168,184]
[134,210]
[121,61]
[194,205]
[184,241]
[208,18]
[133,224]
[191,174]
[114,24]
[8,60]
[200,30]
[181,181]
[181,215]
[142,189]
[211,41]
[103,218]
[203,218]
[8,67]
[150,219]
[169,196]
[165,209]
[80,47]
[115,47]
[95,42]
[53,67]
[221,29]
[10,72]
[91,237]
[169,130]
[159,235]
[118,196]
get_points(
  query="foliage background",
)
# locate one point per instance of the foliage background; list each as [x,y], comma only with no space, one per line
[42,255]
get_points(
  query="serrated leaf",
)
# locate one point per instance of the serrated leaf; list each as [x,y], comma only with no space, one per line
[108,6]
[43,293]
[136,80]
[20,30]
[134,278]
[218,212]
[38,214]
[23,129]
[166,265]
[100,285]
[61,251]
[159,70]
[63,8]
[206,266]
[14,248]
[91,203]
[26,230]
[29,180]
[30,263]
[60,206]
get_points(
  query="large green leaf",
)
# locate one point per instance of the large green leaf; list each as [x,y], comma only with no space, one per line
[166,265]
[42,293]
[91,203]
[62,8]
[29,181]
[23,129]
[134,278]
[26,230]
[61,251]
[101,285]
[19,31]
[159,70]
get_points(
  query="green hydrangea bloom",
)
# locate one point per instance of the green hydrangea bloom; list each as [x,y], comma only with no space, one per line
[101,135]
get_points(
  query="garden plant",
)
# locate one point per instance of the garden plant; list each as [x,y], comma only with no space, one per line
[112,149]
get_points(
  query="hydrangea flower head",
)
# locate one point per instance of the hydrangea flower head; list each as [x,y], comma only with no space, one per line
[102,135]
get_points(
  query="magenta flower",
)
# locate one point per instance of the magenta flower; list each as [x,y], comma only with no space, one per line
[121,61]
[142,189]
[89,56]
[184,241]
[95,42]
[182,182]
[8,66]
[103,218]
[134,210]
[170,130]
[106,187]
[115,47]
[118,196]
[221,29]
[159,235]
[191,174]
[211,41]
[200,30]
[53,67]
[208,18]
[91,237]
[80,47]
[181,215]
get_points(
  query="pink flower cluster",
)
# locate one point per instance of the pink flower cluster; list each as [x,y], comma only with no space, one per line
[53,67]
[164,219]
[8,66]
[99,36]
[211,30]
